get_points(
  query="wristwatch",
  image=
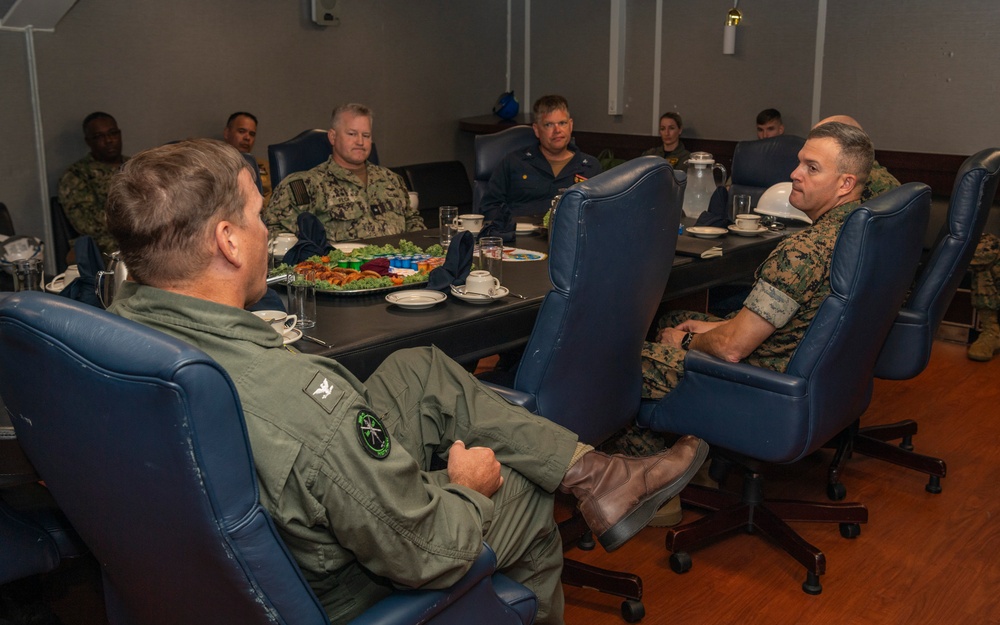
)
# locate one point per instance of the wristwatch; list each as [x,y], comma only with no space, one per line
[686,341]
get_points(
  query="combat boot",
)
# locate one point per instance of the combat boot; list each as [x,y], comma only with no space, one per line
[618,495]
[988,343]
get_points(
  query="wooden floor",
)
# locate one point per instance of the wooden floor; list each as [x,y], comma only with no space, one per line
[921,558]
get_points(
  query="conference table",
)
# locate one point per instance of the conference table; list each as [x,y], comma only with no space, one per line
[360,331]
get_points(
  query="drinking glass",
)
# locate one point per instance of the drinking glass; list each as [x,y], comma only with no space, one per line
[447,215]
[741,206]
[29,275]
[302,304]
[491,256]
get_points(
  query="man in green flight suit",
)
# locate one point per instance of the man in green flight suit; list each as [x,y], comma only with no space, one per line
[83,189]
[353,198]
[347,469]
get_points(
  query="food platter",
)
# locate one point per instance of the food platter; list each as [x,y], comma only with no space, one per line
[375,270]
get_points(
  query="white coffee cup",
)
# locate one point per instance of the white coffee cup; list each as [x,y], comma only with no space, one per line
[279,320]
[72,273]
[482,283]
[473,223]
[748,222]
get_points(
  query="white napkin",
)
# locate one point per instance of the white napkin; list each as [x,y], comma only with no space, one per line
[712,252]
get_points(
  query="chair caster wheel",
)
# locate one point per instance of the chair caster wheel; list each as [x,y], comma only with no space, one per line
[933,485]
[633,611]
[812,586]
[680,562]
[836,491]
[850,530]
[586,542]
[906,444]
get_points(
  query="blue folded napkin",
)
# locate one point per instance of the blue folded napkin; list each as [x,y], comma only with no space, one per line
[503,226]
[89,262]
[312,240]
[718,210]
[457,264]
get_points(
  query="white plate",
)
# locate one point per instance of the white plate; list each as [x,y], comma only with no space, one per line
[415,300]
[476,298]
[524,228]
[347,248]
[705,232]
[747,233]
[291,335]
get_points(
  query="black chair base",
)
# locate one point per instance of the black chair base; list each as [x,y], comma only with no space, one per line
[730,513]
[873,441]
[575,533]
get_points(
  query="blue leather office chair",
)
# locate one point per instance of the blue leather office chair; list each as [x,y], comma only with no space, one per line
[304,151]
[442,183]
[753,416]
[758,165]
[908,349]
[490,150]
[145,449]
[611,248]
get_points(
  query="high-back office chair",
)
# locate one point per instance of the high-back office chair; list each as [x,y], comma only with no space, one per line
[581,366]
[443,183]
[908,349]
[752,415]
[304,151]
[63,233]
[142,442]
[490,150]
[758,165]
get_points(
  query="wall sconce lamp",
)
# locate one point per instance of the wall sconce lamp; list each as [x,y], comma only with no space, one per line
[729,36]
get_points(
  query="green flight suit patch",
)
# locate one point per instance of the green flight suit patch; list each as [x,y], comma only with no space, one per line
[373,435]
[321,391]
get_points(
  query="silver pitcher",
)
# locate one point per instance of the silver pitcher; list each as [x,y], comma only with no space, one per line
[109,281]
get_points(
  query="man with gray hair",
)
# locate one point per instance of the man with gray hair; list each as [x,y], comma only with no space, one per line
[353,198]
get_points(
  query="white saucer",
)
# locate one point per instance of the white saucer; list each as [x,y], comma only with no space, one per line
[416,300]
[476,298]
[291,335]
[55,286]
[705,232]
[524,228]
[347,248]
[747,233]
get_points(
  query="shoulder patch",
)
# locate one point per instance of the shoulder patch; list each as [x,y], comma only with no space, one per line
[323,392]
[299,192]
[372,434]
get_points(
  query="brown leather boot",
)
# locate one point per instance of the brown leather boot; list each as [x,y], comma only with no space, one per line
[618,495]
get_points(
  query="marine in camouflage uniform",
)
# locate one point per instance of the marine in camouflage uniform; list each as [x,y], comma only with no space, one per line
[879,181]
[347,209]
[788,289]
[985,268]
[83,191]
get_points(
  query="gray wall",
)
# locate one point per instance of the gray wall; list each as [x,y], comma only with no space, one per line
[920,75]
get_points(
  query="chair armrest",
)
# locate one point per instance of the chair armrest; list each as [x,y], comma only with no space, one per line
[771,406]
[421,606]
[525,400]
